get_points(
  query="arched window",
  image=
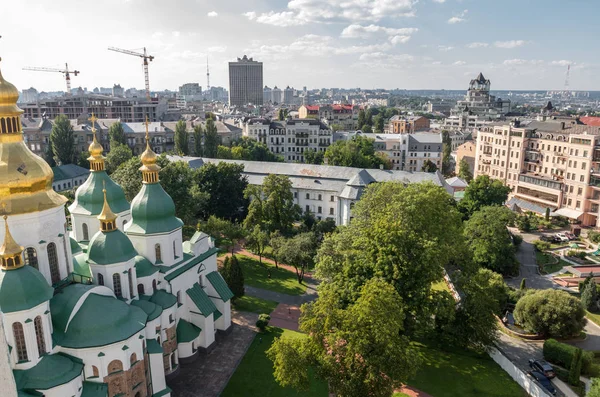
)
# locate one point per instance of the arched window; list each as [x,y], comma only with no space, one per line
[117,285]
[124,222]
[53,261]
[140,289]
[100,279]
[95,372]
[158,253]
[39,334]
[132,359]
[174,251]
[20,341]
[200,280]
[31,257]
[130,277]
[153,285]
[115,366]
[86,235]
[179,297]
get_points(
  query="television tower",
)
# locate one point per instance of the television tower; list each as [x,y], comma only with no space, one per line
[566,92]
[207,75]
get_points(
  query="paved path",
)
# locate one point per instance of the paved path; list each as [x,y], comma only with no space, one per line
[529,268]
[412,392]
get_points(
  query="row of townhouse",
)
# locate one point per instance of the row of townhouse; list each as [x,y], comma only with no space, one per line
[344,115]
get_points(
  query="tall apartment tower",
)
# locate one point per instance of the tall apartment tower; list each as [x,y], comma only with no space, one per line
[245,82]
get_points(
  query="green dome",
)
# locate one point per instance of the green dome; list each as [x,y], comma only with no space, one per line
[22,289]
[75,248]
[143,267]
[110,247]
[153,211]
[89,197]
[151,309]
[52,371]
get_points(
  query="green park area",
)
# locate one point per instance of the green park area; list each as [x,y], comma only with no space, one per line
[253,304]
[281,280]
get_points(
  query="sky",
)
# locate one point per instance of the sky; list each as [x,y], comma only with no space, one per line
[407,44]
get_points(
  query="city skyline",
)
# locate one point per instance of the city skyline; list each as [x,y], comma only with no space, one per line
[427,44]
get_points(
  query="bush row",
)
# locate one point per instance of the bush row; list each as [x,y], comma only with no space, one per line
[562,354]
[594,236]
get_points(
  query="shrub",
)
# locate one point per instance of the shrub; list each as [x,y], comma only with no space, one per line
[233,275]
[594,236]
[589,296]
[517,239]
[523,284]
[541,245]
[263,321]
[550,313]
[562,354]
[575,370]
[577,254]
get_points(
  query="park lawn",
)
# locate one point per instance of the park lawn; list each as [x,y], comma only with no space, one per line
[255,305]
[254,375]
[462,373]
[400,395]
[282,281]
[593,317]
[547,262]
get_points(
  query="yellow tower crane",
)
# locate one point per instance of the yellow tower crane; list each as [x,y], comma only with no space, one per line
[64,71]
[145,57]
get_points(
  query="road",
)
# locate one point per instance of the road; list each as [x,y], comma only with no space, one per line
[529,269]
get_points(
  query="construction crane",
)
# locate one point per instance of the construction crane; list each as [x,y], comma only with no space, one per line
[64,71]
[146,58]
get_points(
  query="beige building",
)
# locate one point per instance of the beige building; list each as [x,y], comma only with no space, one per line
[408,124]
[466,151]
[344,115]
[548,164]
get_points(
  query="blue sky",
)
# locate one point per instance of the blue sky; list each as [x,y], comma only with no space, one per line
[411,44]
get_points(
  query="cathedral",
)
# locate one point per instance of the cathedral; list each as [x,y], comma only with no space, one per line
[110,303]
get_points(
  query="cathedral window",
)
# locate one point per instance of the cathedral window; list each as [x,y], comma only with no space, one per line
[140,289]
[179,297]
[130,277]
[20,341]
[115,366]
[132,359]
[95,372]
[100,279]
[158,253]
[31,257]
[39,334]
[53,262]
[86,235]
[117,285]
[174,251]
[153,285]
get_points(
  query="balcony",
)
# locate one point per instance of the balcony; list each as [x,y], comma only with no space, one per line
[301,134]
[531,160]
[539,180]
[560,154]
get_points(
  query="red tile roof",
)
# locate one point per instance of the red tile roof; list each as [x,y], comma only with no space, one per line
[311,107]
[593,121]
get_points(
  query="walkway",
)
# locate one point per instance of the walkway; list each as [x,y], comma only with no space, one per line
[529,269]
[412,392]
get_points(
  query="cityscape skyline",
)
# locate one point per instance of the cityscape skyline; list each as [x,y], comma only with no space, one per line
[410,44]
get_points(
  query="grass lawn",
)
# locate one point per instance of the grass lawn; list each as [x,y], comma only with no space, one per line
[255,305]
[593,317]
[400,395]
[282,281]
[461,373]
[440,286]
[547,262]
[254,376]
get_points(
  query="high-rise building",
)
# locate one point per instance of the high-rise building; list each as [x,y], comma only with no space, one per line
[277,95]
[245,82]
[118,91]
[29,96]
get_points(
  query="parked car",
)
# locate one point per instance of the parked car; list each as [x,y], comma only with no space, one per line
[544,381]
[549,239]
[543,367]
[570,236]
[561,237]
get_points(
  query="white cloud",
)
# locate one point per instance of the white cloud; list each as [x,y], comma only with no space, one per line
[459,63]
[217,48]
[399,39]
[283,19]
[439,1]
[458,18]
[445,48]
[562,62]
[176,33]
[521,62]
[510,43]
[360,31]
[477,45]
[212,14]
[436,63]
[381,60]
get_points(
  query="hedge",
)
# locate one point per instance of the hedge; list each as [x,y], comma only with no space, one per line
[562,354]
[594,236]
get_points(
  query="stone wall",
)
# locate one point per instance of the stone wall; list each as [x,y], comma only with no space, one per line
[169,346]
[131,383]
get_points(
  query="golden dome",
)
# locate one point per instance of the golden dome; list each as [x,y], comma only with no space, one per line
[10,251]
[96,159]
[95,148]
[107,217]
[149,167]
[25,179]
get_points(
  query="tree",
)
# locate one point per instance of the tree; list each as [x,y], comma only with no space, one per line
[272,205]
[62,140]
[575,369]
[392,234]
[263,321]
[215,227]
[257,241]
[359,350]
[82,160]
[429,166]
[299,251]
[49,155]
[313,157]
[482,192]
[379,124]
[116,134]
[281,115]
[233,275]
[367,129]
[464,171]
[277,242]
[489,240]
[248,149]
[357,152]
[212,140]
[225,184]
[182,146]
[361,119]
[446,153]
[589,296]
[198,135]
[523,285]
[369,117]
[118,155]
[550,313]
[336,127]
[595,389]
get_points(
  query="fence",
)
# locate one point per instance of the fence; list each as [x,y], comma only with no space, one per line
[525,381]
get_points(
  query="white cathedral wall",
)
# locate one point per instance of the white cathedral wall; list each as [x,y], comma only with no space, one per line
[147,283]
[93,224]
[72,388]
[7,380]
[38,230]
[107,272]
[151,326]
[157,372]
[145,245]
[26,318]
[207,325]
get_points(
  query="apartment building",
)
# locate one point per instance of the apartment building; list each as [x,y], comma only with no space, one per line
[547,163]
[290,138]
[466,152]
[245,82]
[408,124]
[344,115]
[328,192]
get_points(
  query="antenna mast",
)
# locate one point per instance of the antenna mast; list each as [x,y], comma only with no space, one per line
[566,92]
[207,75]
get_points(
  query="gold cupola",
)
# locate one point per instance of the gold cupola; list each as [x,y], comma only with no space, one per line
[10,251]
[149,167]
[107,218]
[25,179]
[96,159]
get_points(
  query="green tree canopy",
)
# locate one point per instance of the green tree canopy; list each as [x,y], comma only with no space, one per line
[248,149]
[257,240]
[551,313]
[299,251]
[482,192]
[379,124]
[446,153]
[118,155]
[62,140]
[361,119]
[595,389]
[313,157]
[212,140]
[198,135]
[359,350]
[489,240]
[464,171]
[182,145]
[233,275]
[356,152]
[429,166]
[117,133]
[225,184]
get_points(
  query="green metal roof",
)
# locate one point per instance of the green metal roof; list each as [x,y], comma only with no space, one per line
[80,265]
[93,389]
[110,247]
[220,286]
[151,309]
[89,197]
[163,392]
[153,347]
[217,315]
[186,332]
[75,248]
[22,289]
[68,171]
[198,235]
[53,370]
[143,267]
[163,299]
[153,211]
[63,303]
[92,327]
[193,262]
[201,300]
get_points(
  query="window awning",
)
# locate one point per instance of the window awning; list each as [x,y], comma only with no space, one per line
[568,212]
